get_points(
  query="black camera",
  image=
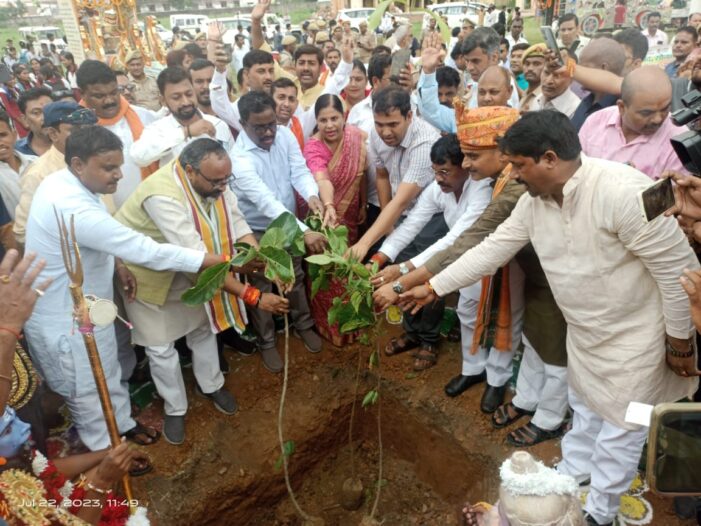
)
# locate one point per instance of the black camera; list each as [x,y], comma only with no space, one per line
[687,146]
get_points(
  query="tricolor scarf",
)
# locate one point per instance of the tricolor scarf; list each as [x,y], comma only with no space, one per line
[224,310]
[493,324]
[296,129]
[135,125]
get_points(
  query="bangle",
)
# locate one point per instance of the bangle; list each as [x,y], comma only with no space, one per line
[326,205]
[377,258]
[680,354]
[14,333]
[90,486]
[225,258]
[251,295]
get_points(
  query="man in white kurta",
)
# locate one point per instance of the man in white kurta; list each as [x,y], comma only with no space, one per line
[616,280]
[56,345]
[99,88]
[164,139]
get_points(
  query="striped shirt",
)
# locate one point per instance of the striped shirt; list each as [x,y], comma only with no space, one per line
[410,162]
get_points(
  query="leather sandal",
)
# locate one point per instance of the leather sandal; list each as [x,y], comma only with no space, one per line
[530,435]
[399,345]
[503,417]
[426,357]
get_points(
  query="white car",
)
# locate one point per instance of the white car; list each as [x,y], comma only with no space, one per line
[358,15]
[231,23]
[455,13]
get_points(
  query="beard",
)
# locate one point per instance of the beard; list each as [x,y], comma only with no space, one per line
[186,112]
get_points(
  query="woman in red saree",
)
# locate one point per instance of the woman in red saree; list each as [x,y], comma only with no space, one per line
[336,156]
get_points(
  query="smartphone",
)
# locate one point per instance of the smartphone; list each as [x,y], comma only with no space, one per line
[550,41]
[656,199]
[399,61]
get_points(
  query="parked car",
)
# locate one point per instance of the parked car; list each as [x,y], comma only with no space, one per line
[231,23]
[189,22]
[455,13]
[41,35]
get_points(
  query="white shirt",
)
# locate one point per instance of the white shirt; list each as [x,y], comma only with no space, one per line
[660,38]
[459,214]
[513,42]
[410,162]
[237,56]
[164,139]
[130,170]
[361,116]
[52,334]
[229,111]
[264,180]
[10,188]
[566,103]
[615,278]
[491,18]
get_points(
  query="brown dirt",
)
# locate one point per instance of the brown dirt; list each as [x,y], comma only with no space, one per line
[439,452]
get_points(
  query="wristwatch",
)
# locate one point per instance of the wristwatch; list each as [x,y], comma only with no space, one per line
[397,287]
[403,269]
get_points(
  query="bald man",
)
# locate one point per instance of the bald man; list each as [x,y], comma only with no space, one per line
[637,130]
[601,54]
[494,87]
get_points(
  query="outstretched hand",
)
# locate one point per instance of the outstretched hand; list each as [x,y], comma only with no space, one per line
[432,52]
[687,196]
[347,49]
[215,30]
[17,291]
[414,300]
[260,9]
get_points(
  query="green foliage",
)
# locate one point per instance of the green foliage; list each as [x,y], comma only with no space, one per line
[353,310]
[282,239]
[208,283]
[288,449]
[370,398]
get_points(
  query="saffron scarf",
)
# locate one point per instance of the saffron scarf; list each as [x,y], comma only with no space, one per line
[296,129]
[224,310]
[135,125]
[493,323]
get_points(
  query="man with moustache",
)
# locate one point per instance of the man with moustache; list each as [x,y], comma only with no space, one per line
[94,156]
[201,73]
[175,205]
[637,130]
[556,94]
[165,138]
[98,85]
[533,66]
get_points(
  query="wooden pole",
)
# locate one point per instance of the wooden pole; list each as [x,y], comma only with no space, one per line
[74,268]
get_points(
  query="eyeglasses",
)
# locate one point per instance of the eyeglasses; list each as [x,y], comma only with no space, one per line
[260,129]
[221,183]
[125,87]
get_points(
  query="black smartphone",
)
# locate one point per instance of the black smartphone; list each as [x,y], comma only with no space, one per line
[656,199]
[399,61]
[551,42]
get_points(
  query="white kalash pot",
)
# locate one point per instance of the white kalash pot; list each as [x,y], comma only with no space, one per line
[102,312]
[532,494]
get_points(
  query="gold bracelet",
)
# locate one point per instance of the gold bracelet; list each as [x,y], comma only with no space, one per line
[91,487]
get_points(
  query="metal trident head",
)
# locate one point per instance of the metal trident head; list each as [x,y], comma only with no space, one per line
[73,268]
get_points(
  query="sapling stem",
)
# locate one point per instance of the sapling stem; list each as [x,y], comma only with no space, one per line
[379,428]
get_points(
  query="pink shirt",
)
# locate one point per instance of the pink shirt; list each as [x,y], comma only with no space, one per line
[601,136]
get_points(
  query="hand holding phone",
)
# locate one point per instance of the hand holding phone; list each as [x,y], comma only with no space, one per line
[656,199]
[551,42]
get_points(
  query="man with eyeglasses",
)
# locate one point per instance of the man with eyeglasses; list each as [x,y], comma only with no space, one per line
[178,205]
[164,139]
[60,119]
[269,168]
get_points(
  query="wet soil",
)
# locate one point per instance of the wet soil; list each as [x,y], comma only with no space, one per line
[438,452]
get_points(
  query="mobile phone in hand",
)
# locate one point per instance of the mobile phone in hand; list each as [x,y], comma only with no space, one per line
[399,61]
[656,199]
[550,41]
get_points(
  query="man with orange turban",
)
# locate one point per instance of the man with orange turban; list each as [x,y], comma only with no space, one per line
[503,309]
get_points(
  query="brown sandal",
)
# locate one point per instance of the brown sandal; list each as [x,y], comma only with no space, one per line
[399,345]
[426,357]
[530,435]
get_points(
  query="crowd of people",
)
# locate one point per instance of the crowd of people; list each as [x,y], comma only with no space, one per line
[484,166]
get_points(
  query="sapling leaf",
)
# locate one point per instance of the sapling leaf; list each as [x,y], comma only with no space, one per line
[281,232]
[245,253]
[356,298]
[368,399]
[288,449]
[208,283]
[318,259]
[364,339]
[374,360]
[278,264]
[361,270]
[320,282]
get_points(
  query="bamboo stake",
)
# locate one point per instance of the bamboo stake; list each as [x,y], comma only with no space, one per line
[74,269]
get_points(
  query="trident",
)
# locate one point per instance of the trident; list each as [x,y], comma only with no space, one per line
[74,269]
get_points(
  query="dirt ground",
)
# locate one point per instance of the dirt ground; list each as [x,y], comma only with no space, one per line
[438,452]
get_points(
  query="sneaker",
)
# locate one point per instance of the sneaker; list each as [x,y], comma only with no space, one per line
[312,341]
[222,399]
[174,429]
[271,360]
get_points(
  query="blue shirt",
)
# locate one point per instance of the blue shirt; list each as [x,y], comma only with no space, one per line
[588,106]
[265,180]
[671,69]
[24,145]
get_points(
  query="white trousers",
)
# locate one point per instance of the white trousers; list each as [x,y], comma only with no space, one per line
[606,453]
[89,420]
[166,373]
[496,363]
[542,388]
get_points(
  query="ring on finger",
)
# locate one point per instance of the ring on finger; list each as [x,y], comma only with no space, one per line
[5,278]
[40,293]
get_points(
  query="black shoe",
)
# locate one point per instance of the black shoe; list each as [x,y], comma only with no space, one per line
[592,522]
[492,398]
[244,344]
[462,383]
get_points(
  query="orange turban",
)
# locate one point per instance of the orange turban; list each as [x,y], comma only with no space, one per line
[480,128]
